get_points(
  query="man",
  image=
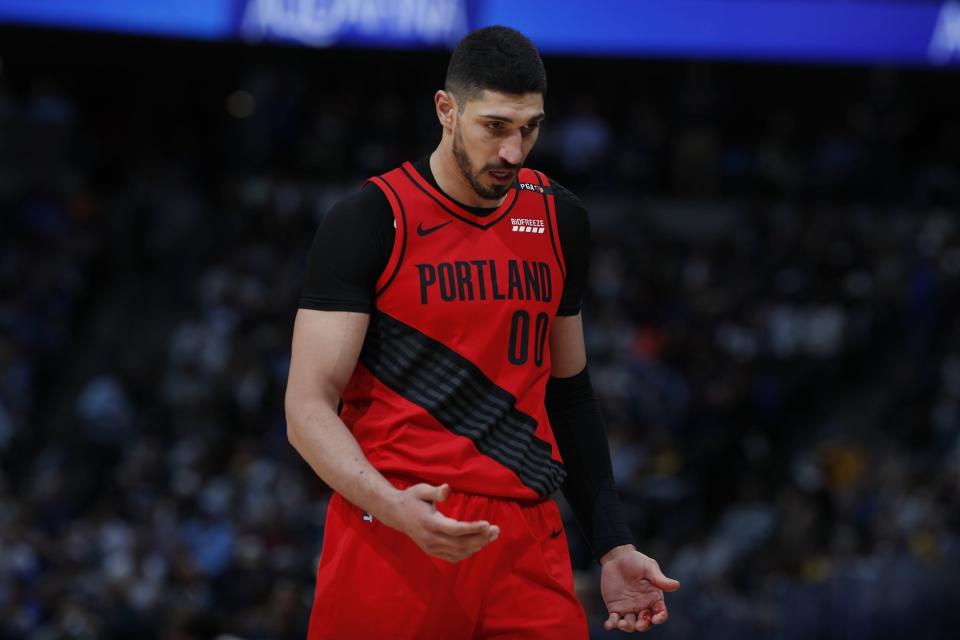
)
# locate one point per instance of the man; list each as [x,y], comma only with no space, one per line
[442,306]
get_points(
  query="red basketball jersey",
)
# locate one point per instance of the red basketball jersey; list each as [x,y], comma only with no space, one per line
[451,380]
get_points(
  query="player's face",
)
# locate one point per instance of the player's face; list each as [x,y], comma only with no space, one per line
[492,137]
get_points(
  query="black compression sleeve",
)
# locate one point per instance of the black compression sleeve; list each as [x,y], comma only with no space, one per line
[589,487]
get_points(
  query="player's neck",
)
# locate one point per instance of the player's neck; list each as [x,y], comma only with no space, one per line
[452,182]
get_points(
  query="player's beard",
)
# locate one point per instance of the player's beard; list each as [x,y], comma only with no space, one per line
[492,192]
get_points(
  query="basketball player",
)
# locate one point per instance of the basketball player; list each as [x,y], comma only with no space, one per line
[442,305]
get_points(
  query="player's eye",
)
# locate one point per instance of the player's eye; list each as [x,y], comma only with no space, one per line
[530,128]
[494,126]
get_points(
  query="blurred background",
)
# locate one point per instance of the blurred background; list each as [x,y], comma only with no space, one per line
[772,320]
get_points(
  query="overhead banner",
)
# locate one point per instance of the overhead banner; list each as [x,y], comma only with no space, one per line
[862,32]
[203,19]
[376,23]
[916,33]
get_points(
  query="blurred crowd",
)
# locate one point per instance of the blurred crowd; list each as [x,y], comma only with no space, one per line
[771,327]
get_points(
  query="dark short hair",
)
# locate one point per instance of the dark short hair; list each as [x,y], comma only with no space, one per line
[497,59]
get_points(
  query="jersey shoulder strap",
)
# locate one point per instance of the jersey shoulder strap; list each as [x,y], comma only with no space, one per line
[385,183]
[540,183]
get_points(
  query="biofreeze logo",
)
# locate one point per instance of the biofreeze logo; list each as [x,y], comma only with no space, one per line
[527,225]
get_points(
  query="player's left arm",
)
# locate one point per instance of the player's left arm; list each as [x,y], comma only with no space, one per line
[631,583]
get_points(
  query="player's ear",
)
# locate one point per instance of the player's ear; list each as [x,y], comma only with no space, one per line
[446,108]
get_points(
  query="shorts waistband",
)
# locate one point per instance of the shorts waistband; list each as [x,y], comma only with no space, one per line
[403,482]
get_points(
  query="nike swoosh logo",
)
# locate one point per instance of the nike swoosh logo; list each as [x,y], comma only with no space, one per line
[556,533]
[425,232]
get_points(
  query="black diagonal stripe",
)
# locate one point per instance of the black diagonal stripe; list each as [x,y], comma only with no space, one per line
[468,425]
[458,391]
[432,394]
[461,398]
[455,394]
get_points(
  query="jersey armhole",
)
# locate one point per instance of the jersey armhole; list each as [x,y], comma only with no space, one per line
[400,239]
[550,207]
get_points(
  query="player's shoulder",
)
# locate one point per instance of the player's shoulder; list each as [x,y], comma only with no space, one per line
[364,205]
[570,207]
[363,198]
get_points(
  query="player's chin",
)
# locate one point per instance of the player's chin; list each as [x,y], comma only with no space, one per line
[498,190]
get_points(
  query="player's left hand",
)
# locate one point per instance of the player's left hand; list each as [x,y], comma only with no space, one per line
[632,586]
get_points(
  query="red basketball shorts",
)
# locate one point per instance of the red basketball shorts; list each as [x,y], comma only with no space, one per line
[374,582]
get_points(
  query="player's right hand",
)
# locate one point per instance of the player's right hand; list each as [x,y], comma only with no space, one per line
[414,512]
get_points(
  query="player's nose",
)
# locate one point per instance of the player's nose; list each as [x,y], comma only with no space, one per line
[511,150]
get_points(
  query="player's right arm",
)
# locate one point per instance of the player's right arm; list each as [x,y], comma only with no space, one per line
[348,254]
[326,345]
